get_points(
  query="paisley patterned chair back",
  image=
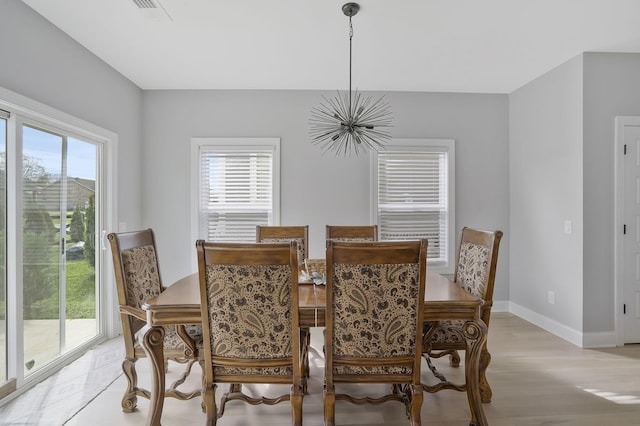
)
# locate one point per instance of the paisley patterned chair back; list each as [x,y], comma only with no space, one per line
[375,299]
[475,272]
[249,295]
[284,234]
[352,233]
[137,274]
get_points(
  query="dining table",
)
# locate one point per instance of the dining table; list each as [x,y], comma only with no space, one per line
[179,303]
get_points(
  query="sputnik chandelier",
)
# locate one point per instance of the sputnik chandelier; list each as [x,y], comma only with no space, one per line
[350,122]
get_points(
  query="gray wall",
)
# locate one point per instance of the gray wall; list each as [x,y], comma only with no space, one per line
[562,139]
[43,63]
[611,88]
[319,189]
[545,170]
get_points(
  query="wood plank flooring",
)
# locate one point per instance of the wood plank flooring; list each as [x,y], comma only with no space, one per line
[537,379]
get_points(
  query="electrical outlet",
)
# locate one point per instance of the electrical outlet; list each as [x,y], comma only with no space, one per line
[568,227]
[551,297]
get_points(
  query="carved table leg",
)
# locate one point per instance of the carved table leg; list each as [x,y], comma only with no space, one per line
[485,390]
[152,342]
[130,399]
[475,333]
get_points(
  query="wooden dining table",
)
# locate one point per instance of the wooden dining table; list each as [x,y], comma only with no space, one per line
[444,300]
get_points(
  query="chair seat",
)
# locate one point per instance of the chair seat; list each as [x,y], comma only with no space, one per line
[347,370]
[262,371]
[449,332]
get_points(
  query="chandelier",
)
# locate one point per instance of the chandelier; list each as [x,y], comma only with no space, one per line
[350,122]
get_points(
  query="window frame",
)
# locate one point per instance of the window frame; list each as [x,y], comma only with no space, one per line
[423,146]
[200,144]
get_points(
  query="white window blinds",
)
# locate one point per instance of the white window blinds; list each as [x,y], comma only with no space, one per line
[235,192]
[414,198]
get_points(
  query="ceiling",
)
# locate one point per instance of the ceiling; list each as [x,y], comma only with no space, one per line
[481,46]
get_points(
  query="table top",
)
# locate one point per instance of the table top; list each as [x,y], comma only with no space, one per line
[180,302]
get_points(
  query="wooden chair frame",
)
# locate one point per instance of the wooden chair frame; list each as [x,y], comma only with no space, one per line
[272,234]
[251,255]
[432,349]
[134,318]
[405,387]
[352,233]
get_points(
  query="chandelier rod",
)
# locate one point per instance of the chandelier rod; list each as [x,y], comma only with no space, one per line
[350,60]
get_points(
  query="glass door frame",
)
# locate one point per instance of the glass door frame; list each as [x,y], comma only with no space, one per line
[33,113]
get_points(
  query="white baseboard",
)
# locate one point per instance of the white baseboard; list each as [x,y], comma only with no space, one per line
[578,338]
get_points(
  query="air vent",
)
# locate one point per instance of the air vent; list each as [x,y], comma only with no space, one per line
[153,10]
[145,4]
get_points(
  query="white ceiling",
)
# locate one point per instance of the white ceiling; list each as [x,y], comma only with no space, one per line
[483,46]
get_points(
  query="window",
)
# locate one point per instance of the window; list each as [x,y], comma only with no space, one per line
[413,195]
[237,187]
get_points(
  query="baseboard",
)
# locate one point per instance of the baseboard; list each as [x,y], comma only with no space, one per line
[547,324]
[605,339]
[578,338]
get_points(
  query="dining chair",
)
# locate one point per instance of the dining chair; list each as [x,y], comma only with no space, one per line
[249,296]
[374,321]
[137,275]
[475,272]
[299,234]
[352,233]
[279,234]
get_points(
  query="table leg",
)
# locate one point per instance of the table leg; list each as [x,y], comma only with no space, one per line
[153,345]
[485,389]
[475,333]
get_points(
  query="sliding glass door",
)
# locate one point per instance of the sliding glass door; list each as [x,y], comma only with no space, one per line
[59,282]
[56,201]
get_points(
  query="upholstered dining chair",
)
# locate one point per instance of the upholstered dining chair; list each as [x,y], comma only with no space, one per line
[249,296]
[374,321]
[299,234]
[137,274]
[475,272]
[279,234]
[352,233]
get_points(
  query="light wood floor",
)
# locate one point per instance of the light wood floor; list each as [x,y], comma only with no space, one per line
[537,379]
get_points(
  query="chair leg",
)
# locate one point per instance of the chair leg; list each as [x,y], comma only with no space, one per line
[454,359]
[209,400]
[296,405]
[416,404]
[485,390]
[329,398]
[130,400]
[184,374]
[305,341]
[203,406]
